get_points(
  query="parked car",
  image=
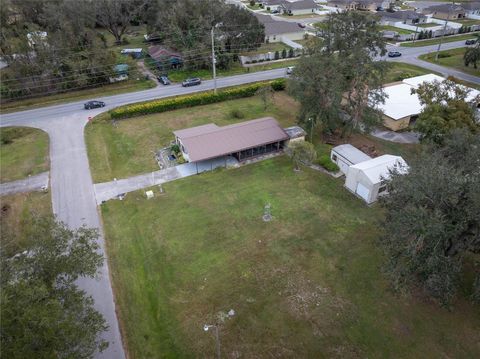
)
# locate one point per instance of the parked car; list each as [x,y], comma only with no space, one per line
[290,69]
[164,80]
[93,104]
[191,82]
[470,42]
[276,11]
[301,25]
[394,54]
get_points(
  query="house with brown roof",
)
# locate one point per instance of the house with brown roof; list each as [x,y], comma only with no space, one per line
[241,141]
[445,11]
[164,57]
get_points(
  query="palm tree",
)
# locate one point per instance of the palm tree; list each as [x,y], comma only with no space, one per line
[472,55]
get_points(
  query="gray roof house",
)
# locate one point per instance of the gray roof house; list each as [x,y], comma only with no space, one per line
[299,7]
[407,17]
[276,29]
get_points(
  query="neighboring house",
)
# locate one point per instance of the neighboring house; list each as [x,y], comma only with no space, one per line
[272,4]
[407,17]
[242,140]
[120,73]
[164,57]
[401,107]
[445,11]
[275,30]
[134,53]
[347,155]
[365,5]
[471,8]
[367,179]
[300,7]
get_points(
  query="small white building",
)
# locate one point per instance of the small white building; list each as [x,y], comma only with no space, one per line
[347,155]
[366,179]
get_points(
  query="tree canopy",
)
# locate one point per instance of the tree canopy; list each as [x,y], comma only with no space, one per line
[432,224]
[340,83]
[445,108]
[43,312]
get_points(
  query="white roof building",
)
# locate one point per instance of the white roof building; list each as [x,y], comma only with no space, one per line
[347,155]
[401,105]
[365,179]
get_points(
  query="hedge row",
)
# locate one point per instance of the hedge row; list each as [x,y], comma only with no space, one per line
[202,98]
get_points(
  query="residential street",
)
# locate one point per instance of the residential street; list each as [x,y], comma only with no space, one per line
[72,189]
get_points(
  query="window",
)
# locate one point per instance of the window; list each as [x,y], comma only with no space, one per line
[382,189]
[334,157]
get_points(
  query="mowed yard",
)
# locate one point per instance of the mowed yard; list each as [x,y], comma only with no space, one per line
[454,59]
[23,152]
[308,284]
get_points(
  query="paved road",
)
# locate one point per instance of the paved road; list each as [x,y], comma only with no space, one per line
[29,184]
[73,194]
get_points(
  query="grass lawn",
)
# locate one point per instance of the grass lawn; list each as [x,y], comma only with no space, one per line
[393,28]
[437,40]
[427,25]
[23,152]
[452,58]
[399,71]
[270,47]
[308,284]
[107,90]
[468,22]
[16,214]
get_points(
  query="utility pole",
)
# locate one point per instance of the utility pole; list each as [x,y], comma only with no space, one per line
[213,64]
[416,31]
[444,30]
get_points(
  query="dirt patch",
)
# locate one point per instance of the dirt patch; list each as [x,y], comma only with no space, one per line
[362,142]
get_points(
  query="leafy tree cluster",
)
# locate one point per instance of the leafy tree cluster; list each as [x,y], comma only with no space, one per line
[72,55]
[185,26]
[432,224]
[339,84]
[472,54]
[446,107]
[44,314]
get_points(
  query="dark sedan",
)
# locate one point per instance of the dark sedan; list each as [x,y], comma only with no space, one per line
[470,42]
[191,82]
[164,80]
[93,104]
[394,54]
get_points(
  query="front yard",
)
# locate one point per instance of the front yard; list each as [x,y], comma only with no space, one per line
[23,152]
[452,58]
[308,284]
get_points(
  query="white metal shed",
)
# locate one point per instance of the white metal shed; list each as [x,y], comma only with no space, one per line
[365,179]
[346,155]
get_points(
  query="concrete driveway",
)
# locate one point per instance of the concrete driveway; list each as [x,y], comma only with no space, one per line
[32,183]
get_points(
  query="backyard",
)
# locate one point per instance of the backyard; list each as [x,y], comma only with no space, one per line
[23,152]
[307,284]
[452,58]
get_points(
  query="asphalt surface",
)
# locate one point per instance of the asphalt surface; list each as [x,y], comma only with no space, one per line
[32,183]
[73,195]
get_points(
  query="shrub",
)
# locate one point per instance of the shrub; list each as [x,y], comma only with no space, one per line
[443,55]
[277,55]
[327,163]
[402,76]
[254,61]
[261,60]
[284,53]
[9,135]
[290,53]
[197,99]
[236,113]
[175,148]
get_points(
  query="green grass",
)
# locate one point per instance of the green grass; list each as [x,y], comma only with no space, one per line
[427,25]
[270,47]
[107,90]
[23,152]
[308,284]
[393,28]
[437,40]
[452,58]
[468,22]
[17,211]
[399,71]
